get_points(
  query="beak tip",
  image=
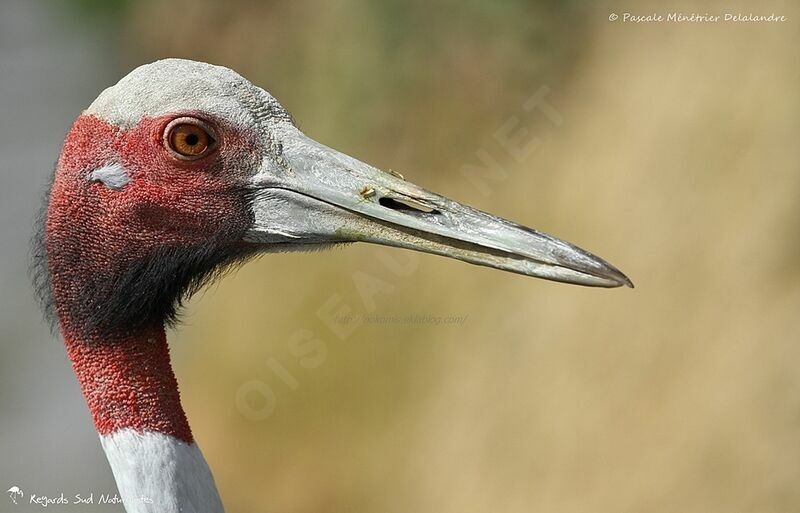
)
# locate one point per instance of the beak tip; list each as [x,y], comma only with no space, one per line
[623,280]
[618,277]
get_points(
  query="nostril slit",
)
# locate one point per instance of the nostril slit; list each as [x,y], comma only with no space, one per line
[407,206]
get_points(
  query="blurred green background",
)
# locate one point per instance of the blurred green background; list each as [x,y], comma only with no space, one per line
[669,149]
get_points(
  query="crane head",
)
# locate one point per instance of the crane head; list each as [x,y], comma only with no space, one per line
[183,168]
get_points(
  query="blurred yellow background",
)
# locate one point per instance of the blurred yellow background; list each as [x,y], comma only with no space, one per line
[667,148]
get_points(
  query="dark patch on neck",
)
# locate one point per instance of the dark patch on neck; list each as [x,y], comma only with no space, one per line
[147,291]
[130,295]
[38,269]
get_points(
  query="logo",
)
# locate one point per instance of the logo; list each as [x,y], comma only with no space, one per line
[14,493]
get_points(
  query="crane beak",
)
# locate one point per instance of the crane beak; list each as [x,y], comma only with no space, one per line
[313,194]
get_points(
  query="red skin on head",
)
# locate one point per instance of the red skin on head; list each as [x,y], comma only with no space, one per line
[169,201]
[93,232]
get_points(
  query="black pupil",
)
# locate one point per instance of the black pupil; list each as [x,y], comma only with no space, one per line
[192,139]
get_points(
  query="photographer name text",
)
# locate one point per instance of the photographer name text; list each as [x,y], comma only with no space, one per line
[693,17]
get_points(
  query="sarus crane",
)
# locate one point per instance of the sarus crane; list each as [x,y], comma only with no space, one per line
[179,171]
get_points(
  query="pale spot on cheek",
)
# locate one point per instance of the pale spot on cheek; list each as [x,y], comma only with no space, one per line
[113,176]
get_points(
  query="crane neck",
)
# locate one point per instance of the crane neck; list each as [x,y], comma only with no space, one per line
[132,393]
[128,382]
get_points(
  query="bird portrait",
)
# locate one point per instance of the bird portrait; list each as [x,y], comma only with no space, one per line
[179,171]
[399,256]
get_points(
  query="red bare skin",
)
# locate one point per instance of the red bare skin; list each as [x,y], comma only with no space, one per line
[93,232]
[129,383]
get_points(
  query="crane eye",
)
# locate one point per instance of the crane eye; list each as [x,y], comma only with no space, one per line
[189,138]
